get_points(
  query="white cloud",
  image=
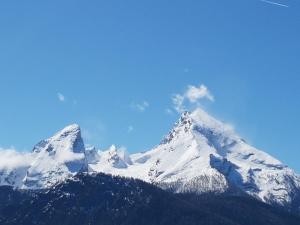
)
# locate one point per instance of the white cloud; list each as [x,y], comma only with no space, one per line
[141,107]
[186,70]
[11,158]
[130,129]
[178,101]
[195,93]
[68,156]
[192,95]
[169,111]
[61,97]
[274,3]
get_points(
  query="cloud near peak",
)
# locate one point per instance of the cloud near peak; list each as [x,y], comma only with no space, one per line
[11,158]
[192,95]
[140,107]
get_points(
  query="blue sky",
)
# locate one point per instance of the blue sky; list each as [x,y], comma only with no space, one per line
[113,67]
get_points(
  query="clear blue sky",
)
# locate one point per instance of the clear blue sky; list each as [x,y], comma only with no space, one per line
[107,57]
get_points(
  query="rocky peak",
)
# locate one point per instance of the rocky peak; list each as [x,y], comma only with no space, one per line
[56,158]
[115,158]
[183,125]
[68,138]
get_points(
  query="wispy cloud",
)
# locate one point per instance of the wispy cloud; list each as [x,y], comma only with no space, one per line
[195,93]
[61,97]
[93,131]
[141,107]
[11,158]
[186,70]
[169,111]
[130,129]
[192,95]
[178,101]
[274,3]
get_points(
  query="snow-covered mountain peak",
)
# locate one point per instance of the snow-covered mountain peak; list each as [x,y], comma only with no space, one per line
[112,159]
[183,125]
[202,154]
[56,158]
[70,130]
[68,139]
[91,155]
[201,121]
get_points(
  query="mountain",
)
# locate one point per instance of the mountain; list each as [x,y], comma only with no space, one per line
[52,160]
[200,155]
[101,199]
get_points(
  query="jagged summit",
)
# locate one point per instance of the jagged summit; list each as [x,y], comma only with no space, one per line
[183,125]
[68,138]
[201,121]
[72,128]
[202,118]
[56,158]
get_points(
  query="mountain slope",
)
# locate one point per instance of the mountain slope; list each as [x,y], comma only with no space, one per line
[104,200]
[202,154]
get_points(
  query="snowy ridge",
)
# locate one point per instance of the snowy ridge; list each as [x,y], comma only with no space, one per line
[200,154]
[52,160]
